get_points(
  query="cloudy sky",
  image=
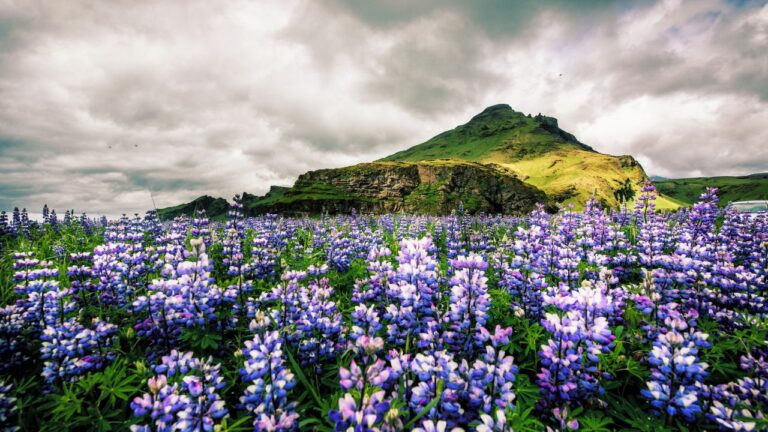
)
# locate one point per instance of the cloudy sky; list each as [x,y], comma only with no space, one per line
[107,105]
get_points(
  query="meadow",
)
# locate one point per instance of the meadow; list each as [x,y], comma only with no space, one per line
[598,320]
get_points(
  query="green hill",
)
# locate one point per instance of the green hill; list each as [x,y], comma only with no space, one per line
[215,208]
[539,153]
[742,188]
[497,131]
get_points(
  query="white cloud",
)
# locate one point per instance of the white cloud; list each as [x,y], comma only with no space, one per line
[103,102]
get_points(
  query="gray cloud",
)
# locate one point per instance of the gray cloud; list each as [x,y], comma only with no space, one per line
[105,106]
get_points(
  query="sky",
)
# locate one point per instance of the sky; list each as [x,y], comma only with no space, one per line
[121,106]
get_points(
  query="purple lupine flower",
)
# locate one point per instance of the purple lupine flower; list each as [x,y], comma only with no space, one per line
[12,340]
[676,384]
[70,350]
[8,408]
[268,381]
[183,396]
[469,304]
[492,376]
[365,414]
[380,275]
[318,326]
[415,292]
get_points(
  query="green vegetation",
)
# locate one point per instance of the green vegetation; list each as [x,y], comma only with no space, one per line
[743,188]
[215,208]
[310,191]
[499,132]
[538,152]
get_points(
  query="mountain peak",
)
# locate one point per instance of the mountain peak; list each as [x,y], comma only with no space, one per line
[498,133]
[497,108]
[494,111]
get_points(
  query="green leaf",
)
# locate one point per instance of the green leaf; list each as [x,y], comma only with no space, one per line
[435,400]
[594,422]
[296,368]
[240,425]
[521,420]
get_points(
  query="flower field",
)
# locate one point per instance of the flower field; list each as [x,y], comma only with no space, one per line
[597,320]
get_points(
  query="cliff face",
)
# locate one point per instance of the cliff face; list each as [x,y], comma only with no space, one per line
[433,187]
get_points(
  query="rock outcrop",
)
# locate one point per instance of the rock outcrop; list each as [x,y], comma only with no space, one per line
[433,187]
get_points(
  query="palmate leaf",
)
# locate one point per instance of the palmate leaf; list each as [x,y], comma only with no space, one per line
[65,404]
[526,392]
[595,422]
[522,419]
[200,340]
[315,425]
[116,384]
[631,413]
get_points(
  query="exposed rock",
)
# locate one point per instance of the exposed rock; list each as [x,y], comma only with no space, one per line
[434,187]
[628,161]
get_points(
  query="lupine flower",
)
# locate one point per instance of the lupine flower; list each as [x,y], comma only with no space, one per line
[414,293]
[70,350]
[469,304]
[366,414]
[12,341]
[268,381]
[318,325]
[185,299]
[7,408]
[492,376]
[495,422]
[182,397]
[676,384]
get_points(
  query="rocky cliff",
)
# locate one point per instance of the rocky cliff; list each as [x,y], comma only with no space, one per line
[433,187]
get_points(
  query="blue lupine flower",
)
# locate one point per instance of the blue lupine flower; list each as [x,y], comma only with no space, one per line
[70,350]
[268,381]
[182,397]
[8,408]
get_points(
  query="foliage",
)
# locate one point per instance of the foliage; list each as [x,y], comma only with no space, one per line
[596,320]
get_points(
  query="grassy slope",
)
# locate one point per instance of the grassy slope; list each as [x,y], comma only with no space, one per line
[215,208]
[316,191]
[744,188]
[496,129]
[541,156]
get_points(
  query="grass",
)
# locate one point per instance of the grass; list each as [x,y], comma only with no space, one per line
[585,174]
[310,192]
[508,131]
[744,188]
[215,208]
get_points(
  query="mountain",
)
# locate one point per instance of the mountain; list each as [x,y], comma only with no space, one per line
[741,188]
[427,187]
[500,161]
[214,208]
[538,152]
